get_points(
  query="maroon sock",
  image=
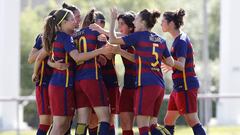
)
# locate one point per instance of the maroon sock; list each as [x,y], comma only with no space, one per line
[153,126]
[127,132]
[93,131]
[43,127]
[143,130]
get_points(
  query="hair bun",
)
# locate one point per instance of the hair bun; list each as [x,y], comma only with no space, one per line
[156,14]
[65,5]
[181,12]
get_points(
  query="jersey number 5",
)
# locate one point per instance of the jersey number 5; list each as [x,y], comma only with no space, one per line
[154,64]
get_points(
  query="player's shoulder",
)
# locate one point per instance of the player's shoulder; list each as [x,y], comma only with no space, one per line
[154,37]
[184,37]
[63,37]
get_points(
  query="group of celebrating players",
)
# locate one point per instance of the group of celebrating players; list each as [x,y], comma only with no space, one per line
[75,74]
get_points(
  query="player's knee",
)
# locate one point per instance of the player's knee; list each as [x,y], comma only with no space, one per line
[46,120]
[103,115]
[126,123]
[192,121]
[168,120]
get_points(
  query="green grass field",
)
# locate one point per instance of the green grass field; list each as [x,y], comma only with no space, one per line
[218,130]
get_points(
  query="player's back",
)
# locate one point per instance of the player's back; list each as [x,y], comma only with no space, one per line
[86,41]
[150,49]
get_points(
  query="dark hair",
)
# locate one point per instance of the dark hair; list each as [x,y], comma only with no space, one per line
[52,22]
[52,12]
[176,17]
[128,18]
[69,7]
[91,18]
[149,17]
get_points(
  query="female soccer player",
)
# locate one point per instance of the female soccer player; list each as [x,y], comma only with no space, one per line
[109,78]
[76,13]
[183,98]
[58,42]
[90,89]
[126,27]
[42,99]
[150,51]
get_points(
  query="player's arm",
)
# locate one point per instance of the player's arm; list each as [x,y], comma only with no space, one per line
[101,30]
[79,57]
[33,55]
[58,64]
[112,36]
[181,54]
[42,54]
[180,63]
[127,55]
[169,61]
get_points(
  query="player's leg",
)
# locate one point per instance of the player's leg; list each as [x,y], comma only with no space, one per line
[114,95]
[44,112]
[126,106]
[83,108]
[172,113]
[93,124]
[60,125]
[62,108]
[155,128]
[82,120]
[103,115]
[191,116]
[98,98]
[170,120]
[144,107]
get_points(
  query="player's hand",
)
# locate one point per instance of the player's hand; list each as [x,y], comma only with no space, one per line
[35,77]
[165,68]
[102,38]
[107,50]
[114,13]
[61,66]
[102,60]
[116,48]
[96,27]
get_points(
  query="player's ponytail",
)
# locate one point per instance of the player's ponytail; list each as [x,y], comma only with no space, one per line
[176,17]
[53,22]
[49,32]
[90,18]
[150,18]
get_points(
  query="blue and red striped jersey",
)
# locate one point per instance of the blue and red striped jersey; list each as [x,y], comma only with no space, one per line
[109,74]
[45,72]
[130,70]
[86,41]
[62,46]
[150,50]
[184,80]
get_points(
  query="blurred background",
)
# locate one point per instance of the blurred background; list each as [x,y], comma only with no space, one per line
[211,24]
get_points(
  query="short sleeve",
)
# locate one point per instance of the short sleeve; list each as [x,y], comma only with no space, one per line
[181,49]
[131,40]
[38,42]
[69,44]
